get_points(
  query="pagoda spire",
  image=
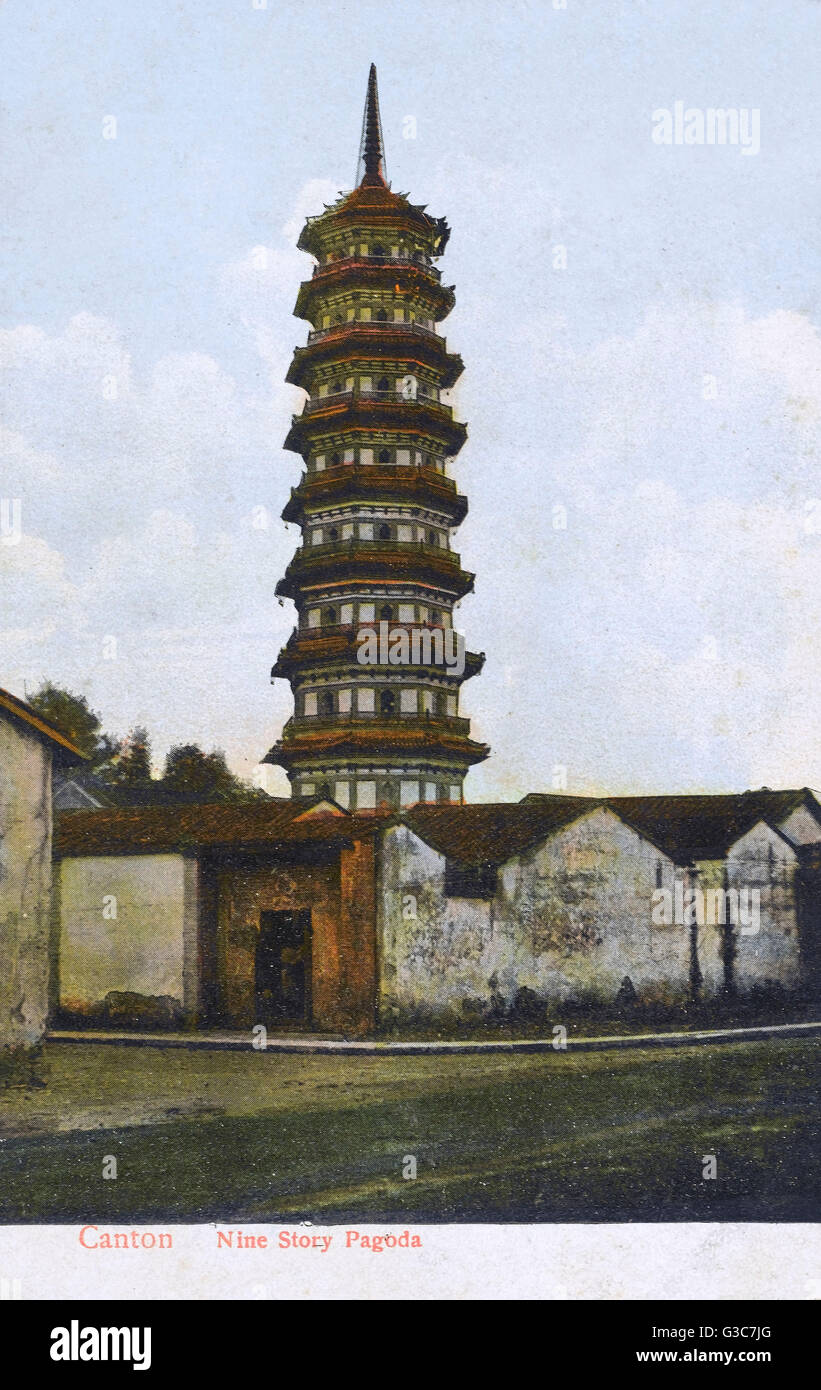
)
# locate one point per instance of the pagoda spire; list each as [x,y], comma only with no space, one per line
[371,147]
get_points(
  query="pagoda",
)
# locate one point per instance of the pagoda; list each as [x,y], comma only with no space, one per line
[375,662]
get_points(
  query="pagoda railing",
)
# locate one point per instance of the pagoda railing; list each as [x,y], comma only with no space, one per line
[345,262]
[395,397]
[351,543]
[375,327]
[398,395]
[449,723]
[372,624]
[320,402]
[379,473]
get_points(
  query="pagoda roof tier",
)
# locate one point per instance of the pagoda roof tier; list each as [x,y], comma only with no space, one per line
[377,737]
[399,483]
[336,645]
[384,273]
[378,410]
[411,344]
[373,206]
[356,561]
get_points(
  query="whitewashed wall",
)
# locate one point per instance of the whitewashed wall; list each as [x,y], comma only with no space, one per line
[25,883]
[762,860]
[569,921]
[148,948]
[801,827]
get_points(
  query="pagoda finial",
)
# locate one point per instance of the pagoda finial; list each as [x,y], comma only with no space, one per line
[370,169]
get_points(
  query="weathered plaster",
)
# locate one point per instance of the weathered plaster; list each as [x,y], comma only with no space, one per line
[141,950]
[25,884]
[801,827]
[570,919]
[762,860]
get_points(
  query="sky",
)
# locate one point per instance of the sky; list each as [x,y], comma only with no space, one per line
[638,322]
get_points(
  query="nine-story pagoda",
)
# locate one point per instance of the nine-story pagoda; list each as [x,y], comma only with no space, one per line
[373,663]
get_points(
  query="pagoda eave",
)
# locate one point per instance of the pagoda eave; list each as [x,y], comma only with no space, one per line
[344,346]
[340,648]
[393,213]
[404,276]
[381,743]
[359,413]
[367,566]
[396,483]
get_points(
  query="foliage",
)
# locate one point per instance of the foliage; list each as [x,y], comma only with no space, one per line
[190,775]
[72,715]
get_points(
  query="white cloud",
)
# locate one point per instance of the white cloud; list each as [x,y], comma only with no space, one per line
[669,638]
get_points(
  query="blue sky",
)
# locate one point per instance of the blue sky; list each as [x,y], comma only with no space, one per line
[668,637]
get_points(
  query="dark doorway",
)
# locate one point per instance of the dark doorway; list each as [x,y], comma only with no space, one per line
[283,968]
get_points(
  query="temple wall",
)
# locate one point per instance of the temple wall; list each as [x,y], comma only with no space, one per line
[25,884]
[570,920]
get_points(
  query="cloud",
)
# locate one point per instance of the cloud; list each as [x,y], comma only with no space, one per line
[261,286]
[669,636]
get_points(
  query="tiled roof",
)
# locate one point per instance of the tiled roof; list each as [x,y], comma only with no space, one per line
[683,827]
[20,710]
[173,829]
[493,832]
[699,827]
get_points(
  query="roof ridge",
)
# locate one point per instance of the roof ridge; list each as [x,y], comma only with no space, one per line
[24,712]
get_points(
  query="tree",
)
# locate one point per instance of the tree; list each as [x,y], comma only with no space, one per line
[124,765]
[191,775]
[72,715]
[131,767]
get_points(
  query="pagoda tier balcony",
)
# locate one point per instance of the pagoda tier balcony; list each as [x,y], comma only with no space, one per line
[381,274]
[384,484]
[307,723]
[316,335]
[377,410]
[336,644]
[358,561]
[417,262]
[409,345]
[379,737]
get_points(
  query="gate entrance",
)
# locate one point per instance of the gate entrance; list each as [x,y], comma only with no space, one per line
[283,968]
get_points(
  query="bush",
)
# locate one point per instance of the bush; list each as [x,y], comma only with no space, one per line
[22,1066]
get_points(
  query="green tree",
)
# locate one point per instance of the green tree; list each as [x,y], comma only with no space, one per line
[72,715]
[131,768]
[194,776]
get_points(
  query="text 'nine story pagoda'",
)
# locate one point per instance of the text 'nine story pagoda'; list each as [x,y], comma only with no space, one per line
[375,572]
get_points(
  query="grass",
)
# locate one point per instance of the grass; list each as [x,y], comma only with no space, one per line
[612,1135]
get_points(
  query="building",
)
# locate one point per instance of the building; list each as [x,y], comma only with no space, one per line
[219,915]
[295,914]
[81,791]
[558,900]
[374,663]
[29,750]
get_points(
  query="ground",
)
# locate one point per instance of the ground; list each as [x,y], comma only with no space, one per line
[251,1136]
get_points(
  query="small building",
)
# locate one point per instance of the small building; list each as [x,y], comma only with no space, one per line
[29,750]
[299,914]
[500,909]
[81,791]
[218,916]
